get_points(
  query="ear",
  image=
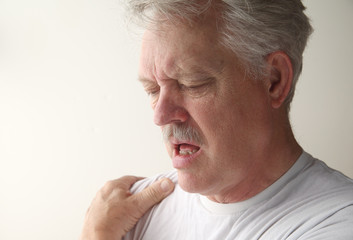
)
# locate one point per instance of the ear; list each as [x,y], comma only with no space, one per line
[280,77]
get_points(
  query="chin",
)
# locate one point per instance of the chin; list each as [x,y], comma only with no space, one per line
[189,182]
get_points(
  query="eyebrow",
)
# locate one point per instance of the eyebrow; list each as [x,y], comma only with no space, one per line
[184,78]
[146,82]
[143,79]
[194,74]
[198,73]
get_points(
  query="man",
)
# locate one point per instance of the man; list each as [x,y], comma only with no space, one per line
[221,76]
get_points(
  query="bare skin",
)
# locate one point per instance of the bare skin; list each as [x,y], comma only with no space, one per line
[194,80]
[115,210]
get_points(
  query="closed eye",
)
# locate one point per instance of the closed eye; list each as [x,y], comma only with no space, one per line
[194,86]
[197,90]
[151,87]
[152,91]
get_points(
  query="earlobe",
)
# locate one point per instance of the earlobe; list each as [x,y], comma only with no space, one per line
[280,77]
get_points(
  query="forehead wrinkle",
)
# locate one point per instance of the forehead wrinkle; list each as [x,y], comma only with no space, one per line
[165,68]
[170,60]
[202,72]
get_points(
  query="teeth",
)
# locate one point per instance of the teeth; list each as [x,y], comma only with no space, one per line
[186,152]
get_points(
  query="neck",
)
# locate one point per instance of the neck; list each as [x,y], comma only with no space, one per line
[273,162]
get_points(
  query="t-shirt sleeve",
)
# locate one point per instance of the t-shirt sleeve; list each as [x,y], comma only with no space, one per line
[138,231]
[338,226]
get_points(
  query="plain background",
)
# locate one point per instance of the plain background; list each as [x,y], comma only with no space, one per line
[73,116]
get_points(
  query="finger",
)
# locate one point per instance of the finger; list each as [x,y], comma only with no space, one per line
[153,194]
[124,182]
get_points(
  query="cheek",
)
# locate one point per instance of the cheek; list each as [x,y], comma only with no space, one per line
[203,115]
[227,126]
[169,150]
[153,102]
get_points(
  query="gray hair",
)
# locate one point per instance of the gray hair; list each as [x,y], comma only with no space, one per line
[252,29]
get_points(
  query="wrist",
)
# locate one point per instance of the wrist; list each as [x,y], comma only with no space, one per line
[101,235]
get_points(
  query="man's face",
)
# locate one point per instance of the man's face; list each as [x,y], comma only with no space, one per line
[194,82]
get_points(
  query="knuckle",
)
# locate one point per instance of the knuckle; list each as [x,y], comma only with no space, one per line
[136,203]
[119,188]
[139,209]
[145,201]
[153,195]
[108,185]
[126,177]
[107,189]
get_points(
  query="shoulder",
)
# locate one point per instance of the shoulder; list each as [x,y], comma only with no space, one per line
[176,199]
[325,195]
[163,215]
[142,184]
[318,175]
[337,226]
[311,181]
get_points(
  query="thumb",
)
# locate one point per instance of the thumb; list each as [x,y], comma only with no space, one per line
[153,194]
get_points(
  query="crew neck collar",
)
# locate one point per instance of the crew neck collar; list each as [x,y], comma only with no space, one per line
[231,208]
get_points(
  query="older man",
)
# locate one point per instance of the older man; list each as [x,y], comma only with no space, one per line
[221,76]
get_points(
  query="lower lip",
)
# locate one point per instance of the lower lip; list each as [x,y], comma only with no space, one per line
[184,161]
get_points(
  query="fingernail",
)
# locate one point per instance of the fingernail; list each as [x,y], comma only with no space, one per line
[166,185]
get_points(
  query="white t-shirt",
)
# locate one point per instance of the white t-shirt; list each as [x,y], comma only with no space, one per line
[311,201]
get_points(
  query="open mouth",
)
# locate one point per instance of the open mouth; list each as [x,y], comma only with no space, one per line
[184,153]
[185,149]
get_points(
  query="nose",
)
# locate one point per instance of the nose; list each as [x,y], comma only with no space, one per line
[169,109]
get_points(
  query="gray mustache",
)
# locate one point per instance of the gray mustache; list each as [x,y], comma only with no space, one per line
[181,132]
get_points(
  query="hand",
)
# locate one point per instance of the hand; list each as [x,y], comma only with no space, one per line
[115,210]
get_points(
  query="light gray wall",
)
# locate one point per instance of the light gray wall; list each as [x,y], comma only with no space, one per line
[322,114]
[72,115]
